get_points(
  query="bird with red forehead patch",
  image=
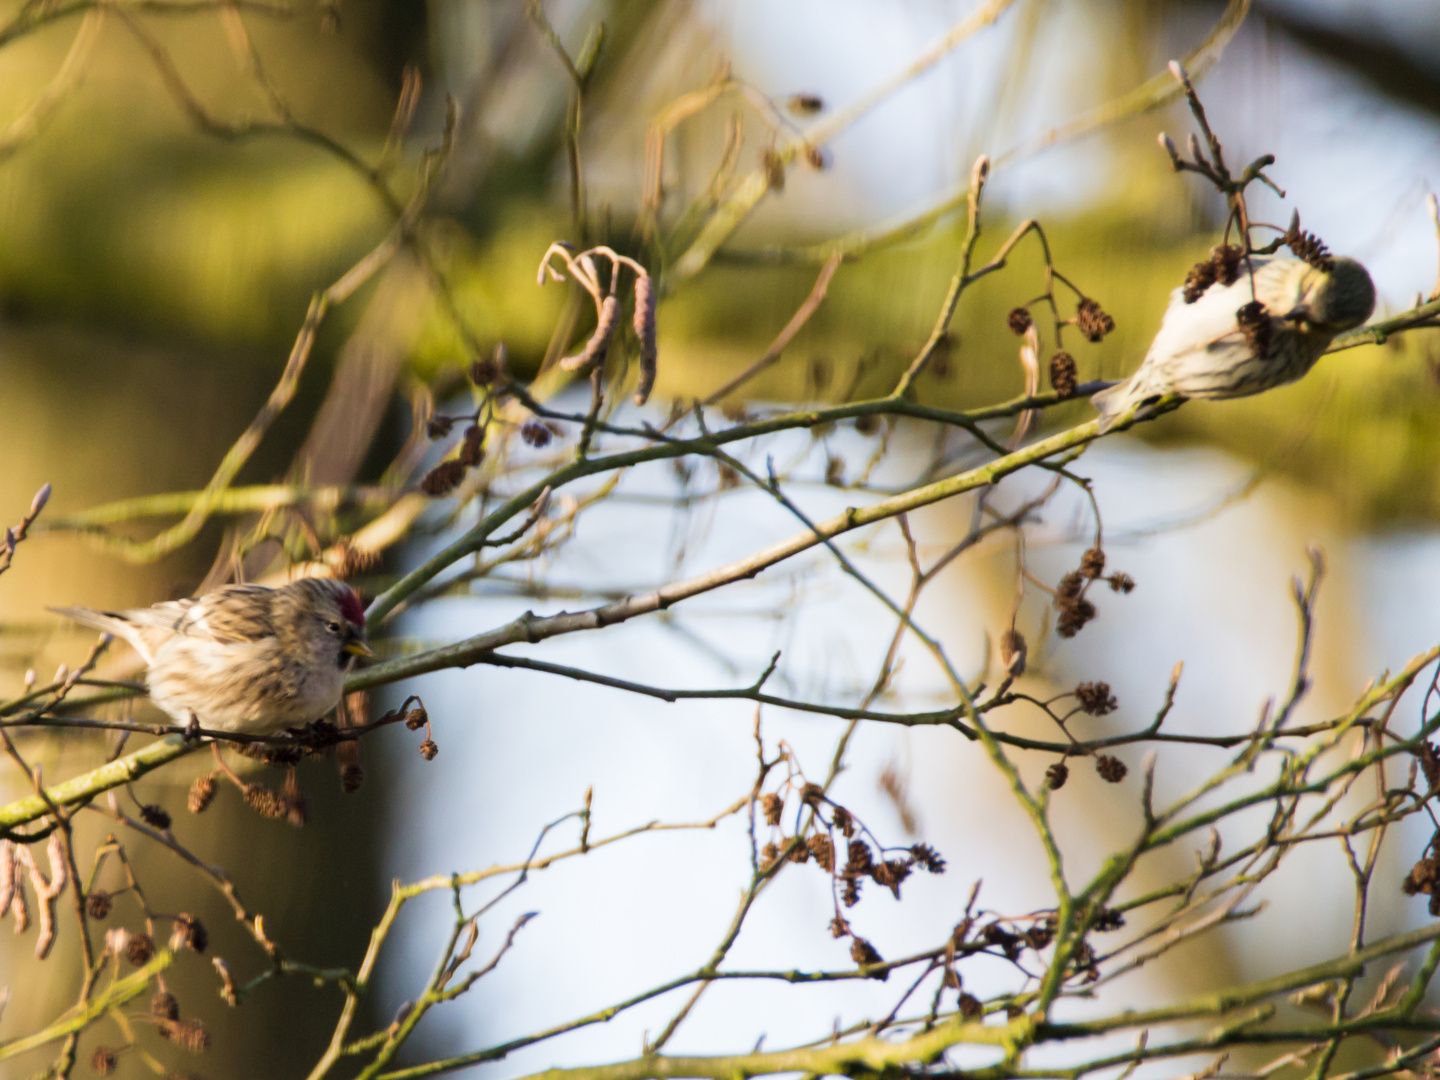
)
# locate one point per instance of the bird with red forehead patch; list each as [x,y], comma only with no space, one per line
[245,658]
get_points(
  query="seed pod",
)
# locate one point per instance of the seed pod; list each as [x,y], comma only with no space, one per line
[772,806]
[928,858]
[485,372]
[1096,699]
[891,873]
[352,778]
[593,354]
[139,949]
[644,323]
[157,817]
[443,478]
[202,792]
[190,933]
[1253,319]
[768,854]
[1062,373]
[1092,320]
[1201,277]
[1039,935]
[857,858]
[1073,617]
[428,750]
[102,1061]
[1225,263]
[1111,769]
[472,450]
[190,1034]
[823,851]
[97,905]
[296,807]
[1107,920]
[1306,246]
[265,802]
[863,953]
[536,434]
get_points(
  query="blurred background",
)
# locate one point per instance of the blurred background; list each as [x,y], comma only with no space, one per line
[153,277]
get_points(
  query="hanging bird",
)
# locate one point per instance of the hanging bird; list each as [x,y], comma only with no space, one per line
[244,658]
[1220,340]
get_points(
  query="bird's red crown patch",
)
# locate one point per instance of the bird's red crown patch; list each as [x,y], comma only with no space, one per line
[351,608]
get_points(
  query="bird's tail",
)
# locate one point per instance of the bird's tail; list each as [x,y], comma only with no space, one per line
[1115,400]
[110,622]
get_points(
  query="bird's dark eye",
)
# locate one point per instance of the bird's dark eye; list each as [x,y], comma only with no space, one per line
[333,627]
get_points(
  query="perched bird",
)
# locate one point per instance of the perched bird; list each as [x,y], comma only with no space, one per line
[1221,341]
[244,658]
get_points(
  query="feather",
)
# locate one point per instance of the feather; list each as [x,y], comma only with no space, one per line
[110,622]
[232,615]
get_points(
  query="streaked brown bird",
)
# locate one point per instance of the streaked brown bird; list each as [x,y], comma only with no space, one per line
[1224,344]
[245,658]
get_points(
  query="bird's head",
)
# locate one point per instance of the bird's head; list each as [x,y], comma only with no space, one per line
[331,619]
[1336,299]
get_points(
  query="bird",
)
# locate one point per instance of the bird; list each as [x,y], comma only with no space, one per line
[244,658]
[1222,340]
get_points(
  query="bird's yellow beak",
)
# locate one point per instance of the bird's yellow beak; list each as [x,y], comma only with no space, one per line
[356,647]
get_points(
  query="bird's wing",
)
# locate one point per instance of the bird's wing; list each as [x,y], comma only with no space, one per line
[229,616]
[1208,325]
[1208,320]
[1280,286]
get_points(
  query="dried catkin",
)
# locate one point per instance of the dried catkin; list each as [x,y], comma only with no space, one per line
[18,906]
[46,892]
[7,875]
[645,331]
[593,354]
